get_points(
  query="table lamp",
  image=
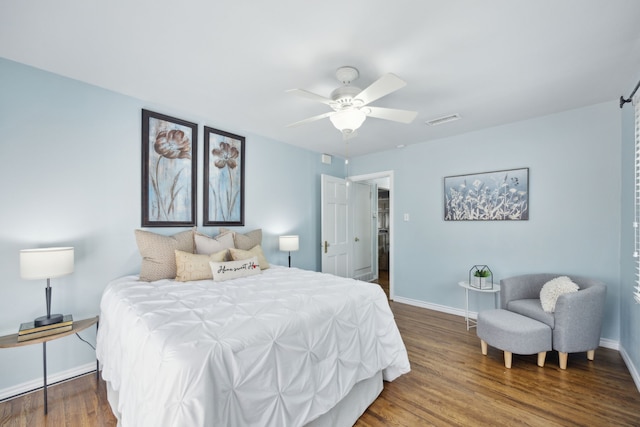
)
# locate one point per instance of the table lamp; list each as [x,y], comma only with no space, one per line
[289,243]
[46,263]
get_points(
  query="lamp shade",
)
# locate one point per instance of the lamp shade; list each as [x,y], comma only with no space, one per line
[348,120]
[289,243]
[46,263]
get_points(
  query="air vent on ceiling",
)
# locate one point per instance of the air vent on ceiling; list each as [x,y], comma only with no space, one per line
[443,119]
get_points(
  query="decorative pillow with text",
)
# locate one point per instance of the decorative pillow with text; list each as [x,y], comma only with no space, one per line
[222,271]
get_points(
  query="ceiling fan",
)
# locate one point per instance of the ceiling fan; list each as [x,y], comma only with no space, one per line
[350,104]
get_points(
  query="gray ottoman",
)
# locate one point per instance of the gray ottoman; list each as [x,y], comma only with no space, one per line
[513,333]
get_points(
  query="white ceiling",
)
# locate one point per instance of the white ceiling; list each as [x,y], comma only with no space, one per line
[492,61]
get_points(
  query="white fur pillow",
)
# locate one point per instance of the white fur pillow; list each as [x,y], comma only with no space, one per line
[553,289]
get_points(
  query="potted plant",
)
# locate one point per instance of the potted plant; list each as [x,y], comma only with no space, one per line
[480,277]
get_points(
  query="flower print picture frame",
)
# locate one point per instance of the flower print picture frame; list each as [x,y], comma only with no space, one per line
[487,196]
[223,178]
[169,158]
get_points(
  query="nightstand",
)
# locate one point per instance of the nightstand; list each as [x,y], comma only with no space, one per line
[467,287]
[9,341]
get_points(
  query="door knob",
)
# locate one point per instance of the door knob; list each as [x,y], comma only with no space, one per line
[357,240]
[326,245]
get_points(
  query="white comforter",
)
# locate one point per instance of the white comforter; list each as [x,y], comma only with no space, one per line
[277,349]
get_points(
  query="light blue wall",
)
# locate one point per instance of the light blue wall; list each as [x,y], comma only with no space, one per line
[574,226]
[629,310]
[71,176]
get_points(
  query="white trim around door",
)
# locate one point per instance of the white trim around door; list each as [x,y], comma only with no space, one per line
[372,177]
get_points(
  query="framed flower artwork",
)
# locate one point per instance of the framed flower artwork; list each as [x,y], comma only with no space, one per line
[169,151]
[487,196]
[223,178]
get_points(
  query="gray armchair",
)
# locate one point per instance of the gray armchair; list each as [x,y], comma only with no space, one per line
[576,323]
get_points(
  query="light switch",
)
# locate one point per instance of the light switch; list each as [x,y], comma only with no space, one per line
[406,217]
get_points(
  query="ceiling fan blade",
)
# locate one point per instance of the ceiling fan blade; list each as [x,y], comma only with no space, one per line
[381,87]
[311,119]
[310,95]
[402,116]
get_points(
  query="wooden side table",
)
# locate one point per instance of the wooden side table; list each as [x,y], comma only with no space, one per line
[9,341]
[467,287]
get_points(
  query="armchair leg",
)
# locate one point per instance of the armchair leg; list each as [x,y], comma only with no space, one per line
[541,357]
[563,359]
[507,359]
[591,354]
[483,346]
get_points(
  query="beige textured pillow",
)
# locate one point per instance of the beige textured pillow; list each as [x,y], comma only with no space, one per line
[233,269]
[210,245]
[256,251]
[158,253]
[196,266]
[247,240]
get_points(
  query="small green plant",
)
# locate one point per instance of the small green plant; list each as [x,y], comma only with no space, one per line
[482,273]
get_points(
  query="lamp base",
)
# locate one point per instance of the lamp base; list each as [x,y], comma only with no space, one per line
[47,320]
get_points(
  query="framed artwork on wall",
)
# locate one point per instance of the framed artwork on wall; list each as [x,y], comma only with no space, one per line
[223,178]
[169,152]
[488,196]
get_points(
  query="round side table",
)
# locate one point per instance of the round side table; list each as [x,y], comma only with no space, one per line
[467,287]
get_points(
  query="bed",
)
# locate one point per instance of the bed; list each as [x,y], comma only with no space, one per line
[286,347]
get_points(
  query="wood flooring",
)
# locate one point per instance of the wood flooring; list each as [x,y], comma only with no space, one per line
[450,384]
[383,281]
[74,403]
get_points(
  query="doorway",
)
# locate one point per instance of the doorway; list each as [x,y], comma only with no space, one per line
[382,230]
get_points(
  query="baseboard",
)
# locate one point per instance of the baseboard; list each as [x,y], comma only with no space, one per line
[607,343]
[604,342]
[36,384]
[631,367]
[436,307]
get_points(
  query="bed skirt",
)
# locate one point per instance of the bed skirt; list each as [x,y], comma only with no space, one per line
[345,413]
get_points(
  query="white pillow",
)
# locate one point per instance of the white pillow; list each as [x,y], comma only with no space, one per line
[234,269]
[210,245]
[553,289]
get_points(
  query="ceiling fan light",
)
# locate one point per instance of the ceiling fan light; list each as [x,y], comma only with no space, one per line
[348,120]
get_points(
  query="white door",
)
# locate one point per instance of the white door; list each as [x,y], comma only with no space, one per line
[362,231]
[335,233]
